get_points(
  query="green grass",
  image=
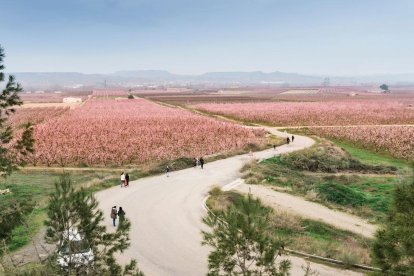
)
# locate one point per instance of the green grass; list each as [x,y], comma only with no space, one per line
[372,158]
[34,187]
[21,235]
[364,155]
[333,177]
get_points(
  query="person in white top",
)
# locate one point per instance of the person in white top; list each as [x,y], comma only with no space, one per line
[122,180]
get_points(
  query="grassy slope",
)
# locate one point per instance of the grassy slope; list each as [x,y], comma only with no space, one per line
[364,193]
[36,186]
[370,157]
[358,151]
[306,235]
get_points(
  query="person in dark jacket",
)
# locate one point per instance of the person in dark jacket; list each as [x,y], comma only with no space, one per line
[288,140]
[202,162]
[126,180]
[121,215]
[293,138]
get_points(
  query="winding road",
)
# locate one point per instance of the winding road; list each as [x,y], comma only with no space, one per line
[166,213]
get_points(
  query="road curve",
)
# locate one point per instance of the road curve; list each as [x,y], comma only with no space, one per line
[166,213]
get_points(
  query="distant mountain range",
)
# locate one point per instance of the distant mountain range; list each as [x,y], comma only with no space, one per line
[160,77]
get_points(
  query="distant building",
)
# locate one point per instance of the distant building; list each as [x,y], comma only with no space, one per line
[72,100]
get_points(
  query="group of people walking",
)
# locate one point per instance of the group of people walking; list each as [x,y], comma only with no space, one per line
[125,183]
[117,213]
[198,162]
[124,180]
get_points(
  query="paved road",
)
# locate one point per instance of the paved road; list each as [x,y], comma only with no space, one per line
[166,213]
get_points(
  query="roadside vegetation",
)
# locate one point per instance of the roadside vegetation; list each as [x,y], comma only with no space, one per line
[242,242]
[304,235]
[81,244]
[393,249]
[27,199]
[14,149]
[330,175]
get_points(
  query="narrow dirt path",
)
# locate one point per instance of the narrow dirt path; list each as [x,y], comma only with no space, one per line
[302,207]
[307,209]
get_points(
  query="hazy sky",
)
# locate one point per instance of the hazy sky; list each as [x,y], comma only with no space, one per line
[328,37]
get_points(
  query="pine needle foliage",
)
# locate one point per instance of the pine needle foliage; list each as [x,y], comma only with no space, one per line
[393,249]
[77,209]
[241,241]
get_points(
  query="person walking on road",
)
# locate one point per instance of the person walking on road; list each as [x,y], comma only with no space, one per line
[274,147]
[167,171]
[126,180]
[202,162]
[288,140]
[122,179]
[114,214]
[121,215]
[293,138]
[195,161]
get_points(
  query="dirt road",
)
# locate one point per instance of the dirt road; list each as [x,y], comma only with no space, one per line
[166,214]
[299,206]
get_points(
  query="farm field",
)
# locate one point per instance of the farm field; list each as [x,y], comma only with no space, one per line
[134,131]
[35,115]
[353,112]
[51,97]
[190,99]
[397,141]
[108,93]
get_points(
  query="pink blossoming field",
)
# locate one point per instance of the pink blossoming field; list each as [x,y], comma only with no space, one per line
[397,141]
[316,113]
[36,115]
[108,93]
[133,131]
[368,118]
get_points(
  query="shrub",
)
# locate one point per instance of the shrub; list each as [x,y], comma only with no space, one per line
[216,191]
[393,248]
[13,208]
[326,157]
